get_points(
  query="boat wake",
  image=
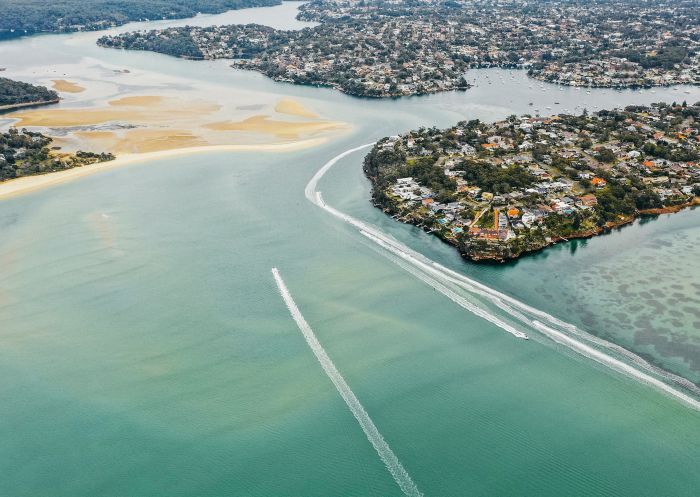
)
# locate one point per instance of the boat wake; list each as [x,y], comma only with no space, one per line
[392,463]
[477,298]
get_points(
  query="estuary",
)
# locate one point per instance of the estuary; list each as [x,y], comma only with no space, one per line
[147,349]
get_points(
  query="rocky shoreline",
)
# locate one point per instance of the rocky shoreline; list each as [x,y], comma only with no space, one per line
[504,256]
[500,190]
[335,86]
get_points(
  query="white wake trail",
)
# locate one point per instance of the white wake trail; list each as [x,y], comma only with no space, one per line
[437,276]
[392,463]
[454,297]
[615,364]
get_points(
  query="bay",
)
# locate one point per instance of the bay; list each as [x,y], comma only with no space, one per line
[146,350]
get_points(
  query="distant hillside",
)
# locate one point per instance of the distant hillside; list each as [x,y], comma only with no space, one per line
[20,17]
[14,93]
[27,153]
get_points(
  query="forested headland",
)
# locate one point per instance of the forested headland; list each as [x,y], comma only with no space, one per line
[19,94]
[21,17]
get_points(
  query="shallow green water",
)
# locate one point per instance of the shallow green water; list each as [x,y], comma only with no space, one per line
[147,352]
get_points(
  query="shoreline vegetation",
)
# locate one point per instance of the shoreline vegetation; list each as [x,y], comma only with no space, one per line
[36,103]
[28,17]
[387,49]
[17,95]
[26,153]
[138,128]
[148,123]
[499,191]
[28,184]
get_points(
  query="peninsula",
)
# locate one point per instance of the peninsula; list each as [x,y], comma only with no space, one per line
[26,17]
[26,153]
[388,49]
[17,94]
[497,191]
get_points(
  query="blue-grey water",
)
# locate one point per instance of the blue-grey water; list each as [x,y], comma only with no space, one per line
[146,350]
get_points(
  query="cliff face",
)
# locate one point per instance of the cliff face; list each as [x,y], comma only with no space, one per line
[500,252]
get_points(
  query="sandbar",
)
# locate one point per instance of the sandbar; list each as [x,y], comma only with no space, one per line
[137,109]
[294,108]
[137,100]
[28,184]
[281,129]
[67,86]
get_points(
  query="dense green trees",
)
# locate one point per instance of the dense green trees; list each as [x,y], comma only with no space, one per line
[605,155]
[25,153]
[177,42]
[428,174]
[666,57]
[666,152]
[33,16]
[384,166]
[17,92]
[494,178]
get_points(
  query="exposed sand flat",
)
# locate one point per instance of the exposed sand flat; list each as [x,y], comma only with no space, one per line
[139,101]
[155,140]
[74,117]
[136,110]
[30,184]
[294,108]
[280,129]
[28,104]
[100,140]
[150,123]
[67,86]
[139,140]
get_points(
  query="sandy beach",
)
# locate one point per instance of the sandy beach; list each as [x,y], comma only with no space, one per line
[67,86]
[28,184]
[136,124]
[152,126]
[294,108]
[282,129]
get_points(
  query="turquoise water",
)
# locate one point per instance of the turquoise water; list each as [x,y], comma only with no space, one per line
[146,350]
